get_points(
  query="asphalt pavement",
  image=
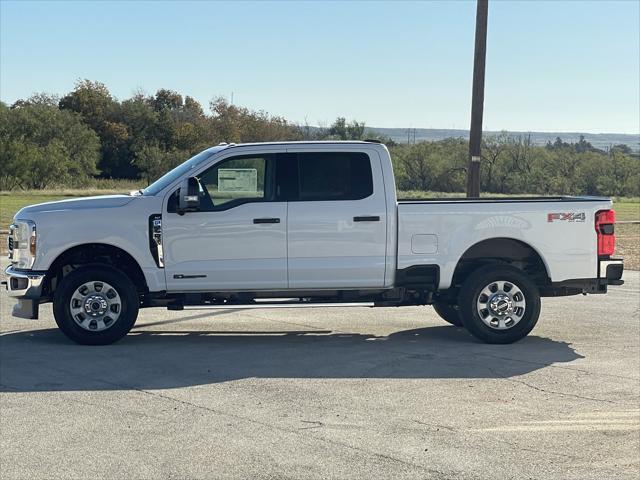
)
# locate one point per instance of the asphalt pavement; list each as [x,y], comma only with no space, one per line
[326,393]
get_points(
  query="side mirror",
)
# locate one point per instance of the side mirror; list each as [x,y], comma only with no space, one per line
[189,196]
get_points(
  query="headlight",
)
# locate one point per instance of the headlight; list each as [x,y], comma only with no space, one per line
[23,239]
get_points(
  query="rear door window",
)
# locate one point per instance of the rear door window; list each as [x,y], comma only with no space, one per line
[334,176]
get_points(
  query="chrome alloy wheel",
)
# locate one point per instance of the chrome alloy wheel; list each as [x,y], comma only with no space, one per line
[95,306]
[501,305]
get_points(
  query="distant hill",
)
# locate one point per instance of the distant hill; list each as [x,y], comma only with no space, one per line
[598,140]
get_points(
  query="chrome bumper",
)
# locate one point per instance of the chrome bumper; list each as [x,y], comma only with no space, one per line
[24,283]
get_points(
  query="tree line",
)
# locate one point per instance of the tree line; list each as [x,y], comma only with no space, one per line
[513,165]
[48,141]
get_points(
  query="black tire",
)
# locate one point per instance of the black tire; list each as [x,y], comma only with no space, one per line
[470,296]
[128,306]
[448,312]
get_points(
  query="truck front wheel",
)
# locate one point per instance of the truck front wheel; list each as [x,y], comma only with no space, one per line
[499,304]
[96,305]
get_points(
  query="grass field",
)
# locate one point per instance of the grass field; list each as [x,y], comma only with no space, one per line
[626,209]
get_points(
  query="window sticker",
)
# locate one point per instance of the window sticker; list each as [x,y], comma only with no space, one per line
[238,180]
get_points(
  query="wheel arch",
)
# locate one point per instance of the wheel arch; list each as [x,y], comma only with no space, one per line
[505,250]
[95,254]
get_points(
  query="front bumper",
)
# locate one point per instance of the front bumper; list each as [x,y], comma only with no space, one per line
[26,287]
[24,283]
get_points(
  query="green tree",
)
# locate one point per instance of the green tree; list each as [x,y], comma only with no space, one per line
[153,161]
[93,101]
[342,130]
[42,144]
[167,99]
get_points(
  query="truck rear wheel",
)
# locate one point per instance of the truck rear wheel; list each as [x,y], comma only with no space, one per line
[96,305]
[448,312]
[499,304]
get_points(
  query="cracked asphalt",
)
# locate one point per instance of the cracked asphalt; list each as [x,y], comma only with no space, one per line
[326,393]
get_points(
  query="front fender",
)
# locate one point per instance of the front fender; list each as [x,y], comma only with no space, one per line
[125,227]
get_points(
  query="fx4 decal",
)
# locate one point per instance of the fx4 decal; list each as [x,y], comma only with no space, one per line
[566,217]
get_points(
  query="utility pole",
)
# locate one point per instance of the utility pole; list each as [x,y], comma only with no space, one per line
[477,100]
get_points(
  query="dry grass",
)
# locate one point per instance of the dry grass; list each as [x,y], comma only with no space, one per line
[628,245]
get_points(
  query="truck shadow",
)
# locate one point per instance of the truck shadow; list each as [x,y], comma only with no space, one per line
[44,360]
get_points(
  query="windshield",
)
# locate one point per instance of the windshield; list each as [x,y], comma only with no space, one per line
[171,176]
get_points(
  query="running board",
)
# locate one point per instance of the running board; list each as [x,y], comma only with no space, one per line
[255,306]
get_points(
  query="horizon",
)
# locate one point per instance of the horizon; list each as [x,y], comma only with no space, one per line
[573,67]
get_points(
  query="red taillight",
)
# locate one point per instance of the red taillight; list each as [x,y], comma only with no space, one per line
[605,220]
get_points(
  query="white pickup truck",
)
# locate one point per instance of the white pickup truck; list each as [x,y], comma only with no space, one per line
[304,224]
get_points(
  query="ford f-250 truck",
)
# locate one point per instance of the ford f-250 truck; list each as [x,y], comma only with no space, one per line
[304,224]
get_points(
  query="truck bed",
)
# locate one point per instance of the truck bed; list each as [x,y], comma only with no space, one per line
[561,229]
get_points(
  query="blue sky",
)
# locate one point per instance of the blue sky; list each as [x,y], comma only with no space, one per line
[551,66]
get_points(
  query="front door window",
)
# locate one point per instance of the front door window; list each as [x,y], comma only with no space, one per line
[236,181]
